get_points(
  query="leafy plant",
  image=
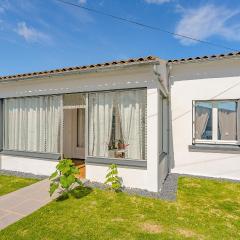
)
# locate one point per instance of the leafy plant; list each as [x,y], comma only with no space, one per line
[113,179]
[64,177]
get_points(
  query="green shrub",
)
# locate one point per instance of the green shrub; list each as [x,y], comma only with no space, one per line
[113,179]
[64,177]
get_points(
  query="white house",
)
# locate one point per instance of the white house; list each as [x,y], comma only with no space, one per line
[147,115]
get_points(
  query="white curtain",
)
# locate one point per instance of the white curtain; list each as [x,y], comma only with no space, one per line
[33,123]
[100,122]
[227,124]
[81,127]
[202,116]
[132,106]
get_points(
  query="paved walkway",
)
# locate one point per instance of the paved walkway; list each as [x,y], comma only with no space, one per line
[18,204]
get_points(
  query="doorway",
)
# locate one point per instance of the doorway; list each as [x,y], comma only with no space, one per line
[74,133]
[74,130]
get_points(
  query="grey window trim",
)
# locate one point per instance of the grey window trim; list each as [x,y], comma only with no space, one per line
[141,164]
[211,148]
[193,121]
[40,155]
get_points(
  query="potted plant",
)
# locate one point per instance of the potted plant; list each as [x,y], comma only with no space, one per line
[120,144]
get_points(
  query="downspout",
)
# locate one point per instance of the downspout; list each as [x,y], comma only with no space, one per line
[168,68]
[163,88]
[165,92]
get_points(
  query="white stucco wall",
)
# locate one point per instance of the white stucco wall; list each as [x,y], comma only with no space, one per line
[28,165]
[131,177]
[201,81]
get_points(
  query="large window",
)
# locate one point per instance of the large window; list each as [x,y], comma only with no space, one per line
[32,124]
[117,124]
[216,121]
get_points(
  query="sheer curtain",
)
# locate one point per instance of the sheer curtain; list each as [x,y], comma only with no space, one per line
[100,122]
[132,106]
[227,124]
[81,127]
[33,123]
[202,116]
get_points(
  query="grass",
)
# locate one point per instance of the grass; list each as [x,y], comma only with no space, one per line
[205,209]
[12,183]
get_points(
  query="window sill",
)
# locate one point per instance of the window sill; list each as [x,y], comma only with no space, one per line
[39,155]
[142,164]
[214,148]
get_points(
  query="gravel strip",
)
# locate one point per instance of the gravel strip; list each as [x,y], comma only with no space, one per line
[168,191]
[21,174]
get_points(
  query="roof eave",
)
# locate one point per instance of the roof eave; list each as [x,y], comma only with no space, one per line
[81,71]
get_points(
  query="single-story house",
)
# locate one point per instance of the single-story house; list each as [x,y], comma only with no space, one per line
[149,116]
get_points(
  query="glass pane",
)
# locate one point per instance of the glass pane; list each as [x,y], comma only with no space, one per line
[32,124]
[227,120]
[203,120]
[117,124]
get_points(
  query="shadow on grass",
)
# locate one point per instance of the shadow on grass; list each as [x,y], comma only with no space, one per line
[78,192]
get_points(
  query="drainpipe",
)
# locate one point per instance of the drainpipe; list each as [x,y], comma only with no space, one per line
[163,88]
[169,68]
[166,90]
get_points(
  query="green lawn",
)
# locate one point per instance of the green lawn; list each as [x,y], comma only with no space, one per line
[205,209]
[12,183]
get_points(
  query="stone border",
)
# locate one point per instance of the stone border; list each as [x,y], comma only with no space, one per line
[21,174]
[168,192]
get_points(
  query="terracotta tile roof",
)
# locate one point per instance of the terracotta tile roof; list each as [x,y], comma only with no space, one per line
[147,59]
[193,59]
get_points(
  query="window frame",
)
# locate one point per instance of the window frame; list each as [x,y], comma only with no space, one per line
[214,139]
[88,156]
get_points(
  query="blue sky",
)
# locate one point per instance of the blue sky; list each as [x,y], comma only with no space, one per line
[45,34]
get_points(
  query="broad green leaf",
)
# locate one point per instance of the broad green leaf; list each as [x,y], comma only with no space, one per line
[53,175]
[53,188]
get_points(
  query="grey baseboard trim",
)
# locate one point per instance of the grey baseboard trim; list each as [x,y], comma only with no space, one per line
[141,164]
[211,148]
[38,155]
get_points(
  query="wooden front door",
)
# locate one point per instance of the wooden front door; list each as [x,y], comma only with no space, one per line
[74,133]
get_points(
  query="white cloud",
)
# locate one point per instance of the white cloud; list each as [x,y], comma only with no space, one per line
[157,1]
[4,5]
[82,2]
[31,34]
[207,21]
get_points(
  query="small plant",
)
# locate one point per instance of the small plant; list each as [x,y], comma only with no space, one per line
[113,179]
[64,177]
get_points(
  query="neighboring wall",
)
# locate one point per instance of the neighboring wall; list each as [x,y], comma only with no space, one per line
[219,79]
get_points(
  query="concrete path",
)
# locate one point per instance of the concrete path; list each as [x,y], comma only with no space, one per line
[18,204]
